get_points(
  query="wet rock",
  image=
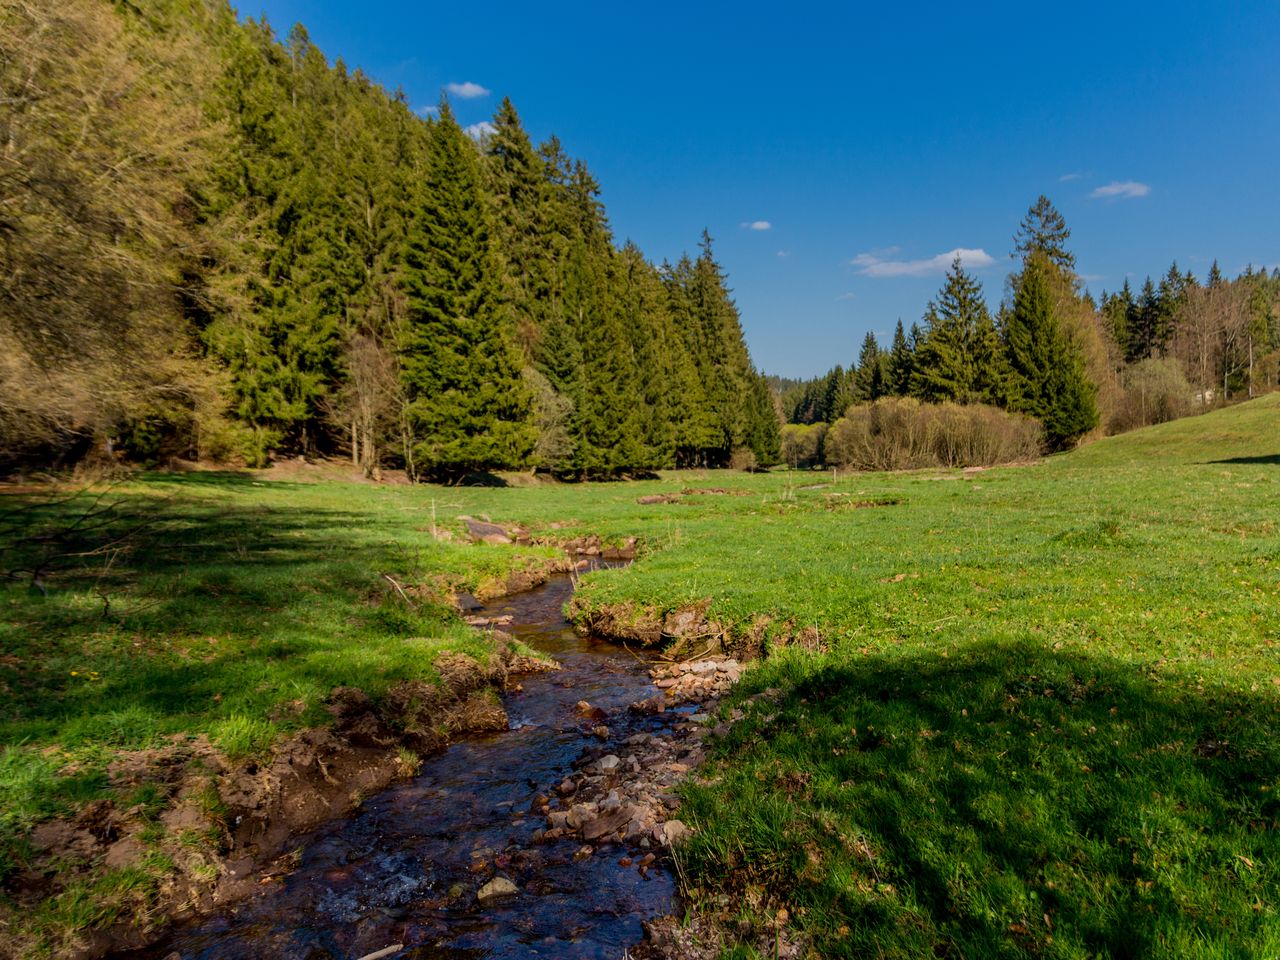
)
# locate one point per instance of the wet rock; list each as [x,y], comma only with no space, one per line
[608,762]
[601,732]
[585,709]
[495,888]
[608,824]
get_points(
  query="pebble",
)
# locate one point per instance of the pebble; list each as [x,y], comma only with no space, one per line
[497,887]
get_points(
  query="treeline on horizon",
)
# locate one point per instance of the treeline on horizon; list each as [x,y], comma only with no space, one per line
[1179,346]
[222,246]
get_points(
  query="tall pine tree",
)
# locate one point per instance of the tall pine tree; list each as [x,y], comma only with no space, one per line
[469,407]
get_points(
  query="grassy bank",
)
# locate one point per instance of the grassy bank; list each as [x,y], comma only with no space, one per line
[1046,723]
[212,606]
[1043,724]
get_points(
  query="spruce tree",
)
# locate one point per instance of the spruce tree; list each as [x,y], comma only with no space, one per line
[1047,373]
[1044,231]
[955,344]
[901,363]
[530,248]
[469,407]
[869,377]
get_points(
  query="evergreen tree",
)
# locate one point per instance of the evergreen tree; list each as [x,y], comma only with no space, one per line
[901,364]
[520,190]
[869,377]
[1143,324]
[1044,231]
[1047,374]
[954,358]
[469,406]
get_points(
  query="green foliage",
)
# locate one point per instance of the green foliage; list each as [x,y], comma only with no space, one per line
[1044,232]
[959,356]
[469,407]
[1047,375]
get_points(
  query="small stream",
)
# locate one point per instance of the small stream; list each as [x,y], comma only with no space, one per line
[407,867]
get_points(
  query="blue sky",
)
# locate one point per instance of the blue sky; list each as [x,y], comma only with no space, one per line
[839,152]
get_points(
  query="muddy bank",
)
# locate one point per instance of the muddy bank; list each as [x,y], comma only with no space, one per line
[690,631]
[551,839]
[225,823]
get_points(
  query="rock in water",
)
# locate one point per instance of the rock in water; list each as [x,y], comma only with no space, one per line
[497,887]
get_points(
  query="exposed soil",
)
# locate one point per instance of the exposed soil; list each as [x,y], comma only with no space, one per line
[248,812]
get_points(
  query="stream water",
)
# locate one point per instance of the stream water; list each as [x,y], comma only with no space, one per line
[406,868]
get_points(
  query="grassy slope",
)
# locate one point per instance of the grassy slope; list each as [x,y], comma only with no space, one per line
[1137,575]
[1055,736]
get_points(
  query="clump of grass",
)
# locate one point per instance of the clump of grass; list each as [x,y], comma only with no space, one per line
[408,763]
[240,736]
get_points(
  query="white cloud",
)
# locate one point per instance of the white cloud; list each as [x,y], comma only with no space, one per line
[427,111]
[467,90]
[877,264]
[1066,177]
[756,225]
[478,131]
[783,254]
[1120,189]
[846,296]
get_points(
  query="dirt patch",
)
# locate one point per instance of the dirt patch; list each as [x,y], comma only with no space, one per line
[689,631]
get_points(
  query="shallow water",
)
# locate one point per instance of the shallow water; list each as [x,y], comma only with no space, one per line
[406,868]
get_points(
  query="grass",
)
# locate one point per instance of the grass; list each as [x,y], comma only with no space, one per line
[1045,723]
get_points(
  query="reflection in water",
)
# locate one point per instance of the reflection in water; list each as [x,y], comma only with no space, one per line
[407,868]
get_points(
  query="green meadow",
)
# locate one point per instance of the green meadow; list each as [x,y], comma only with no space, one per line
[1042,719]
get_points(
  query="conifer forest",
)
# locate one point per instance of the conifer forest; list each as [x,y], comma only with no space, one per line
[244,250]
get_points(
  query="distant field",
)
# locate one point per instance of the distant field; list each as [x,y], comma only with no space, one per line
[1047,723]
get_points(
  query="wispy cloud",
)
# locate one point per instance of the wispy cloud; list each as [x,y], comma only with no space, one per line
[1068,177]
[783,254]
[879,264]
[755,225]
[478,131]
[846,296]
[428,111]
[467,90]
[1120,189]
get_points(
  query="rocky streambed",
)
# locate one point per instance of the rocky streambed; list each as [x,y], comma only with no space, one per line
[549,839]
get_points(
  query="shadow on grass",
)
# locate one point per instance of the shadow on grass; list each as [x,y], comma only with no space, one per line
[173,614]
[1269,459]
[1008,801]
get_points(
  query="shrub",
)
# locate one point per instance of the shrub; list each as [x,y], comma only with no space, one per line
[802,444]
[901,433]
[743,458]
[1155,390]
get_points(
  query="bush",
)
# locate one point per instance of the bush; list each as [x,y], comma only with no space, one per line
[802,444]
[900,433]
[744,458]
[1155,390]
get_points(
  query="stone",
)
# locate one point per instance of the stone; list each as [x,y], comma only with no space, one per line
[671,833]
[608,762]
[607,824]
[601,732]
[497,887]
